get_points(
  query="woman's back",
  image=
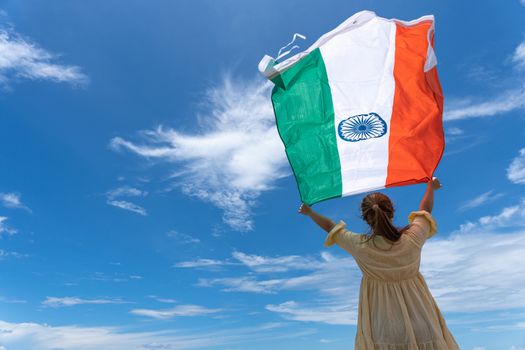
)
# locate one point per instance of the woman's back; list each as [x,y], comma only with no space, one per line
[396,309]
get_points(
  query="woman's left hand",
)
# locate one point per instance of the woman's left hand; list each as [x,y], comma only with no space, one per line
[305,209]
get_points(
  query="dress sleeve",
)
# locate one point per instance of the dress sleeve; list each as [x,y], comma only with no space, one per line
[341,236]
[424,225]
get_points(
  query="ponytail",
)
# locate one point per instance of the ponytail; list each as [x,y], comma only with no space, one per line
[383,225]
[378,211]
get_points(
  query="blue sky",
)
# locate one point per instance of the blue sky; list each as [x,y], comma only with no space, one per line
[146,202]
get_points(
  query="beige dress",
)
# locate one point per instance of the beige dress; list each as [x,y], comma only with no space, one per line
[396,309]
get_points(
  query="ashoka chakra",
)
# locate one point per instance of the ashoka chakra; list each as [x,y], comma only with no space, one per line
[362,127]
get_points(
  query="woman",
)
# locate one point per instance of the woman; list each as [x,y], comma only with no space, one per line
[396,309]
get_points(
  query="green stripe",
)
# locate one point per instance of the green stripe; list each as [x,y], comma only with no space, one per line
[304,112]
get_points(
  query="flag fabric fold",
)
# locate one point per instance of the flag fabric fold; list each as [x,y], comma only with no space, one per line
[361,109]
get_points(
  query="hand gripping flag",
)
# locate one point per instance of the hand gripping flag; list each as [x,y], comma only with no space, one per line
[361,109]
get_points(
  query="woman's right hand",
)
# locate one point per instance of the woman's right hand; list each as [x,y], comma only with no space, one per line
[435,184]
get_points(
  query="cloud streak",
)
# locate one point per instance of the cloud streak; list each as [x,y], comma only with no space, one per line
[516,169]
[477,269]
[4,229]
[114,199]
[503,103]
[232,158]
[37,336]
[177,311]
[507,101]
[12,200]
[23,59]
[478,201]
[73,301]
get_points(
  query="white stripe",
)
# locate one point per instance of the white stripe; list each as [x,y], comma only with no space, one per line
[360,64]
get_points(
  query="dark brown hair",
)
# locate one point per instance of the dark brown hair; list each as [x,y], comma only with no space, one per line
[377,210]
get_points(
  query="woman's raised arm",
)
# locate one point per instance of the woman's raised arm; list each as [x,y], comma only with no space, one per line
[427,203]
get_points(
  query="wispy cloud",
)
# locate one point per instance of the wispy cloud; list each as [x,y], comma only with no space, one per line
[232,158]
[128,206]
[519,55]
[21,58]
[12,200]
[258,263]
[163,300]
[453,131]
[4,229]
[113,199]
[474,270]
[203,263]
[9,254]
[483,198]
[331,314]
[126,191]
[516,169]
[177,311]
[509,100]
[35,336]
[512,216]
[73,301]
[183,238]
[276,264]
[8,300]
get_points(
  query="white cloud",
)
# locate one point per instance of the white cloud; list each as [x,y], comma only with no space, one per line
[233,158]
[7,254]
[163,300]
[276,264]
[113,199]
[332,314]
[21,58]
[454,131]
[243,284]
[200,263]
[519,55]
[12,200]
[258,263]
[35,336]
[128,206]
[8,300]
[183,237]
[73,301]
[483,198]
[470,272]
[509,100]
[512,216]
[4,229]
[516,169]
[324,276]
[177,311]
[126,191]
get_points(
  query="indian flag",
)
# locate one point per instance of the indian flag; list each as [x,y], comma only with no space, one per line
[361,109]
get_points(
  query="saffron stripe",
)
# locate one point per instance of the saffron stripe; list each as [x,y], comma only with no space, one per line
[416,141]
